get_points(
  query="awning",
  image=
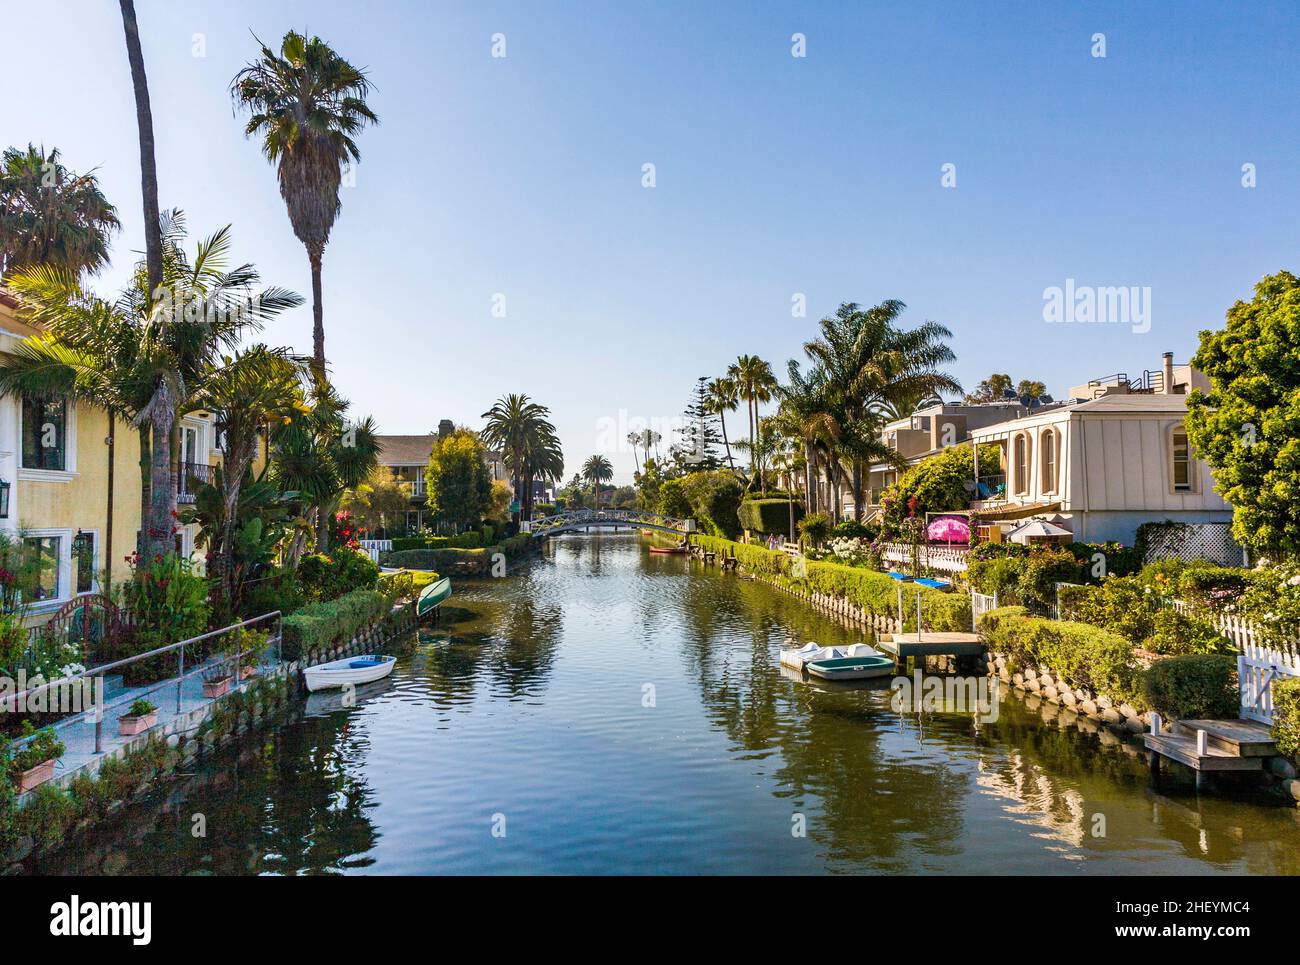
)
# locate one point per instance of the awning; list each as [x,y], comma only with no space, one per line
[1014,511]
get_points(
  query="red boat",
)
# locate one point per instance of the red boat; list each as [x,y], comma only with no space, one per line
[668,549]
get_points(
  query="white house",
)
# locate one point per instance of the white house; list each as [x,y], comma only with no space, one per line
[1100,468]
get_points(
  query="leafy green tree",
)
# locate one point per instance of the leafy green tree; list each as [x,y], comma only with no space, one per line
[1247,426]
[51,216]
[457,482]
[378,501]
[307,103]
[939,484]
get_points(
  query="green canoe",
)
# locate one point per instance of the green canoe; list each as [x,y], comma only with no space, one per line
[433,596]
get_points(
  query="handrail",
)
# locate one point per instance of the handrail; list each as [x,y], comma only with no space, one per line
[13,702]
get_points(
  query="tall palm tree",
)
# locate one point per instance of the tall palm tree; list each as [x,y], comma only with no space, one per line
[873,366]
[153,245]
[306,103]
[634,439]
[146,357]
[529,446]
[51,216]
[597,470]
[756,385]
[723,396]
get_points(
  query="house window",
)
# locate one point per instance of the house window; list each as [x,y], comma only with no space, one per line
[41,568]
[1020,461]
[45,433]
[1049,458]
[1182,461]
[83,561]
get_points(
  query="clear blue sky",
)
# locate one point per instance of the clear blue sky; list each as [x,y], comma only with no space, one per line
[775,175]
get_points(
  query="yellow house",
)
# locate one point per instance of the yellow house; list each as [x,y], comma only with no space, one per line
[72,498]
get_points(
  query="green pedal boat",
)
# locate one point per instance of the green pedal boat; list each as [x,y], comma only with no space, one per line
[851,668]
[433,596]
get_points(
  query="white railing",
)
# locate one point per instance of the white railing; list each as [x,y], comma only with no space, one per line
[980,604]
[374,547]
[947,559]
[1257,668]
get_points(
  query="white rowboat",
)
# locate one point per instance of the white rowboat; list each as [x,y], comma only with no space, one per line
[350,671]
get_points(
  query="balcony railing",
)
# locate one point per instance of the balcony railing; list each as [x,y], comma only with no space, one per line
[991,487]
[191,476]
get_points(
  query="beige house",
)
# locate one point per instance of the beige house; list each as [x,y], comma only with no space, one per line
[1099,468]
[406,458]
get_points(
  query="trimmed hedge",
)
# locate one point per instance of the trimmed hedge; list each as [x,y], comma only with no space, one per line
[768,515]
[332,621]
[1286,716]
[463,541]
[442,561]
[875,592]
[1082,655]
[405,584]
[1200,685]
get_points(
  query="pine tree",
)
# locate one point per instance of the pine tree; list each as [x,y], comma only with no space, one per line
[698,438]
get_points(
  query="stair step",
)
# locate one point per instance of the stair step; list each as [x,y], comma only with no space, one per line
[1183,749]
[1241,738]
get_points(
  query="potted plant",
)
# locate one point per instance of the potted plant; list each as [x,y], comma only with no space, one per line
[216,680]
[34,764]
[139,718]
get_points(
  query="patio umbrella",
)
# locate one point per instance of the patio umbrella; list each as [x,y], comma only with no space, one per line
[948,529]
[1038,529]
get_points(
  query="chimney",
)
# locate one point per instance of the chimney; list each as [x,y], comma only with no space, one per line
[1167,379]
[445,428]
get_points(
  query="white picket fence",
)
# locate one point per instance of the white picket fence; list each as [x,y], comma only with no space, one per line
[946,559]
[1257,668]
[373,547]
[980,604]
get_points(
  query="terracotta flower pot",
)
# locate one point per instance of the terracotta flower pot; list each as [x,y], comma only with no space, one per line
[216,688]
[35,777]
[129,726]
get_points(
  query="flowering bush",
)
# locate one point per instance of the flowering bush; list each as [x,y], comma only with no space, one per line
[851,551]
[168,603]
[327,576]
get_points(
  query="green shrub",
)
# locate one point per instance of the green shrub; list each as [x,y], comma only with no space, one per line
[1119,604]
[852,529]
[769,515]
[996,574]
[1083,656]
[1286,716]
[1177,634]
[327,576]
[276,589]
[875,592]
[405,584]
[1194,686]
[672,499]
[168,601]
[1040,571]
[815,527]
[332,621]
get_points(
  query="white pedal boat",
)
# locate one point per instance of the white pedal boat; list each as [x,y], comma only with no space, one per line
[350,671]
[797,659]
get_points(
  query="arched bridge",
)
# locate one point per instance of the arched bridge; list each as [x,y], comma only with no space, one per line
[583,518]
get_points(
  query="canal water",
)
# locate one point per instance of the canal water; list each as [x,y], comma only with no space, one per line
[603,710]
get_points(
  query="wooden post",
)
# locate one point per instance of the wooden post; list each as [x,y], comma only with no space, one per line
[1202,744]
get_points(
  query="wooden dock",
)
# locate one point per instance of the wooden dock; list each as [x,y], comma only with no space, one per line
[1208,746]
[900,646]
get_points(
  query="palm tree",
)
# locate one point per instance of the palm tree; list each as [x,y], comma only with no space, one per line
[51,216]
[756,384]
[153,244]
[634,439]
[319,455]
[148,356]
[529,446]
[722,396]
[259,386]
[871,367]
[597,470]
[307,103]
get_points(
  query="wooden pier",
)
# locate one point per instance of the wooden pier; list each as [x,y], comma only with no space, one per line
[900,646]
[1208,746]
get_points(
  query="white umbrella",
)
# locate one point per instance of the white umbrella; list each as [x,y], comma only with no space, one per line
[1038,529]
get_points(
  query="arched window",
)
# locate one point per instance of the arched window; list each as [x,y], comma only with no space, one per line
[1050,457]
[1020,464]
